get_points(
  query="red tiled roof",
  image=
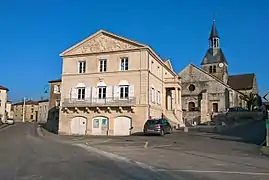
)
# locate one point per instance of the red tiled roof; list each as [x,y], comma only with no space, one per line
[30,102]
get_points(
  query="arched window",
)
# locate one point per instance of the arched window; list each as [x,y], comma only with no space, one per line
[214,69]
[191,87]
[215,43]
[210,69]
[191,106]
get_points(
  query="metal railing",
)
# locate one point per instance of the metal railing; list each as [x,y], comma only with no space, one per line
[94,102]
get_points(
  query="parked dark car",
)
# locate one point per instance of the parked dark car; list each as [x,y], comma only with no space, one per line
[157,126]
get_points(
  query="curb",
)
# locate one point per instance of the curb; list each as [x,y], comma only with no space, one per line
[3,126]
[264,150]
[115,156]
[39,131]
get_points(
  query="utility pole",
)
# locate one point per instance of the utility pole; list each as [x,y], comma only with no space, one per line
[267,129]
[23,109]
[266,97]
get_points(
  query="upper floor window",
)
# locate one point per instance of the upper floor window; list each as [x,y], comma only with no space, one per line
[81,93]
[124,64]
[101,92]
[124,91]
[152,94]
[102,65]
[82,67]
[56,89]
[159,97]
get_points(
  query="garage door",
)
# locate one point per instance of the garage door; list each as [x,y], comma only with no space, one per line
[122,126]
[78,126]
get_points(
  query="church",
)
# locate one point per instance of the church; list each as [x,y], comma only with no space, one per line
[210,88]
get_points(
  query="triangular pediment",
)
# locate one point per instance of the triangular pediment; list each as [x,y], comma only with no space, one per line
[102,41]
[168,64]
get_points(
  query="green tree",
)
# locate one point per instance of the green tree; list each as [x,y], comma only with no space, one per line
[251,100]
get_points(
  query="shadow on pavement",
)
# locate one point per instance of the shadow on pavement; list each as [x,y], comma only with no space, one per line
[252,133]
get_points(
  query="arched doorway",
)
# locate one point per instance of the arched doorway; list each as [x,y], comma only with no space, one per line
[100,126]
[122,126]
[78,126]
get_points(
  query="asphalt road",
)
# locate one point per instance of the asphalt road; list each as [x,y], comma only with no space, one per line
[184,155]
[27,156]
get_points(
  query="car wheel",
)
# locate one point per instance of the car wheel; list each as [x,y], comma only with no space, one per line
[162,133]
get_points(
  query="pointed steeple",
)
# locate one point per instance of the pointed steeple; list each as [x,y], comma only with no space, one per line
[214,40]
[214,53]
[214,32]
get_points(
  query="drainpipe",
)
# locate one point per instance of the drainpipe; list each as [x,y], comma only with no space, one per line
[148,89]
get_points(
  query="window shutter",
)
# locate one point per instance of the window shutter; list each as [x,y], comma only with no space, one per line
[88,93]
[94,94]
[109,93]
[116,92]
[74,94]
[131,90]
[55,89]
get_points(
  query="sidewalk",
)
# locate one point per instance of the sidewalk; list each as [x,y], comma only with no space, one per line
[3,125]
[265,150]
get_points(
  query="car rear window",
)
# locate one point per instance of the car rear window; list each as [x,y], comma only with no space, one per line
[153,121]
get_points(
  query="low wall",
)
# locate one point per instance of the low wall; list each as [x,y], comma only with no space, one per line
[191,116]
[232,118]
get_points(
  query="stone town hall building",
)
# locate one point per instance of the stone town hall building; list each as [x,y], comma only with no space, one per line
[210,88]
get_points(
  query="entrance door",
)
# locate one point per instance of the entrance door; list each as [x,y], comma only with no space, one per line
[215,107]
[100,126]
[78,126]
[122,126]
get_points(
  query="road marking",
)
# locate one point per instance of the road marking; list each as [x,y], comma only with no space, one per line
[220,172]
[107,140]
[167,145]
[115,156]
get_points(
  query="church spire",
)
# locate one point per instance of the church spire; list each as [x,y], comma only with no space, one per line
[214,32]
[214,40]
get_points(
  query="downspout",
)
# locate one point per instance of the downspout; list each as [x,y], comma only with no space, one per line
[148,89]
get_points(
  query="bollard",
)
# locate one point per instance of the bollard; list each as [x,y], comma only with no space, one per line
[146,144]
[186,129]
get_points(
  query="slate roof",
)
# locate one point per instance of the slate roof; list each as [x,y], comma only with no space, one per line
[214,32]
[57,80]
[211,58]
[241,81]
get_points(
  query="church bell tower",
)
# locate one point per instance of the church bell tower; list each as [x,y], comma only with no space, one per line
[214,61]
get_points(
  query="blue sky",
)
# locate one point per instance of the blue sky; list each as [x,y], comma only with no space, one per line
[34,33]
